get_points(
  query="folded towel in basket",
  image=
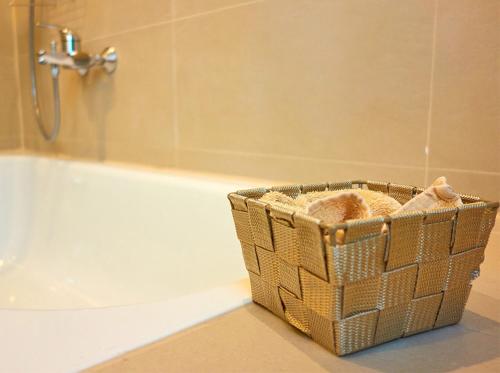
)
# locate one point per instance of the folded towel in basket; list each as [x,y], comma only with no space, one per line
[338,206]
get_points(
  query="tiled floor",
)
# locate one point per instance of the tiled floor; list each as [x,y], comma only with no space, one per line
[251,339]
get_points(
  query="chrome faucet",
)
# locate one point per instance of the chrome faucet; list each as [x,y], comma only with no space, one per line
[71,57]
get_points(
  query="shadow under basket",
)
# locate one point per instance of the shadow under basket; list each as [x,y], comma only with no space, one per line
[392,277]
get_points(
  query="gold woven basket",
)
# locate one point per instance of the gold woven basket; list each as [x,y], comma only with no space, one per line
[380,284]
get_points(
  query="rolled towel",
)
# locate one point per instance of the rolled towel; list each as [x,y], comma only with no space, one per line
[378,202]
[439,195]
[339,207]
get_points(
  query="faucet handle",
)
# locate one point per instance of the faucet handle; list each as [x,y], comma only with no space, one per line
[70,41]
[109,59]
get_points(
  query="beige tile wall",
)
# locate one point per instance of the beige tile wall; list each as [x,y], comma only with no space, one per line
[294,90]
[125,117]
[10,130]
[465,127]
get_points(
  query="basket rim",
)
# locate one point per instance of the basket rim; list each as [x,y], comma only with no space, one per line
[475,200]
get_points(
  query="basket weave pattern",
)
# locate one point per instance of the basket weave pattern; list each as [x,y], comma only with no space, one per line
[380,284]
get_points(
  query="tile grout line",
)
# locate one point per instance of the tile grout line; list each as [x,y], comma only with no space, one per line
[431,94]
[361,163]
[216,10]
[63,140]
[463,170]
[292,157]
[175,120]
[18,78]
[173,20]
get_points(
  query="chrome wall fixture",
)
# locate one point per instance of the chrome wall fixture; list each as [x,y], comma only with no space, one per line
[69,57]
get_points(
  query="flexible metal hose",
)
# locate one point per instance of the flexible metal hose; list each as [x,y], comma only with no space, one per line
[52,135]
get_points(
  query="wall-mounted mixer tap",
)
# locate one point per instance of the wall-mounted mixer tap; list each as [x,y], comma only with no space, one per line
[71,57]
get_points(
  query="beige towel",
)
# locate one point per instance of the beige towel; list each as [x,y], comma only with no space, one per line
[439,195]
[282,200]
[334,207]
[379,203]
[339,207]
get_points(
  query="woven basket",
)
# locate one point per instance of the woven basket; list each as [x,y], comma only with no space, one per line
[376,287]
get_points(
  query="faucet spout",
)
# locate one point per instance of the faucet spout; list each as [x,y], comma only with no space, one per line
[80,61]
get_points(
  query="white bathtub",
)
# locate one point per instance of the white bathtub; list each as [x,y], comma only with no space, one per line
[96,260]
